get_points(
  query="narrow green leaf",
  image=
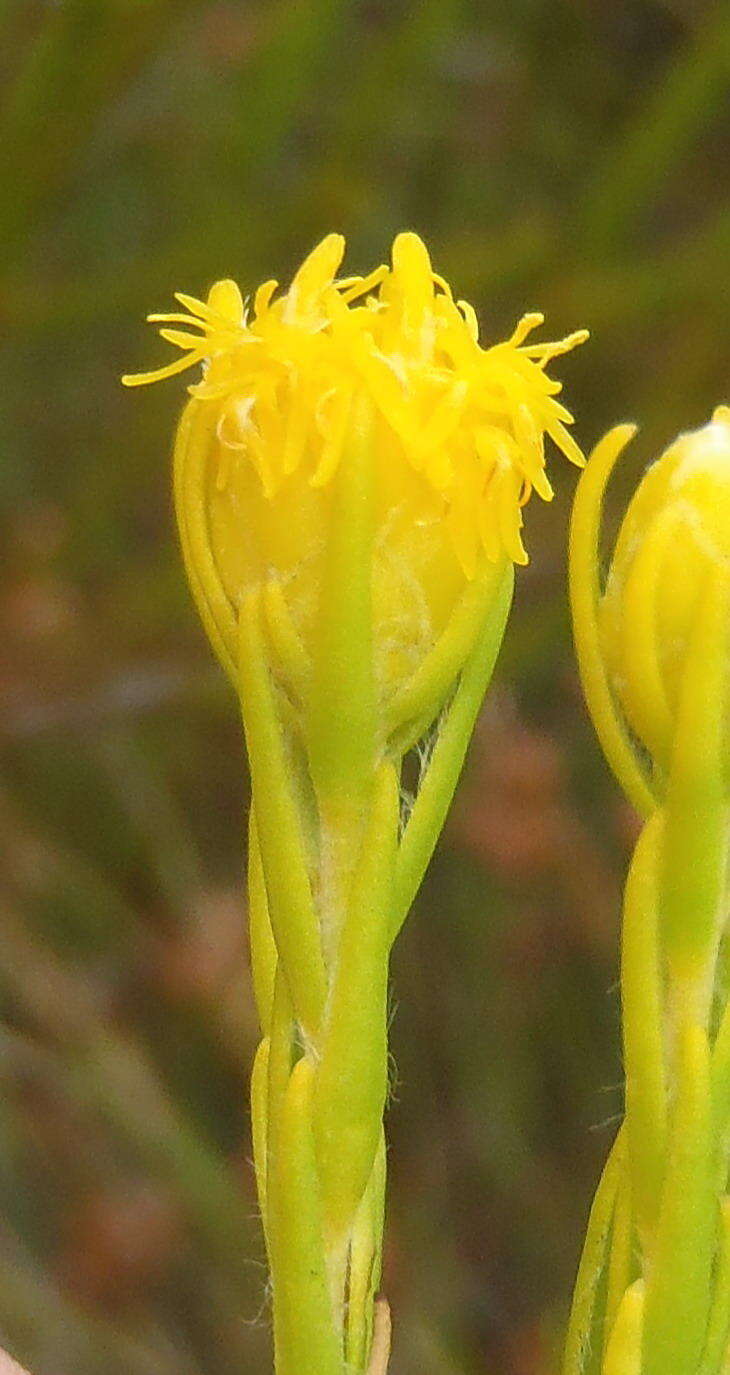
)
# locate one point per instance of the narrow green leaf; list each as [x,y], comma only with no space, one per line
[585,527]
[193,442]
[643,1033]
[578,1349]
[621,1255]
[422,696]
[278,1071]
[623,1353]
[438,784]
[365,1261]
[259,1126]
[307,1342]
[718,1330]
[291,907]
[261,938]
[695,839]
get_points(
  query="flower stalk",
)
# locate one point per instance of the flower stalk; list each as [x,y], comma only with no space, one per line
[652,1289]
[350,475]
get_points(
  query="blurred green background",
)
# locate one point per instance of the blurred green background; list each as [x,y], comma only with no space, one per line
[571,156]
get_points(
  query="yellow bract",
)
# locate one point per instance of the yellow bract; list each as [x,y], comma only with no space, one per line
[457,430]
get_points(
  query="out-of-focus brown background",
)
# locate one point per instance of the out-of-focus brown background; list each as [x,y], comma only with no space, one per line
[572,156]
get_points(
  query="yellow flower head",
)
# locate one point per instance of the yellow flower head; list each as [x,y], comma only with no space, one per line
[669,567]
[468,421]
[294,383]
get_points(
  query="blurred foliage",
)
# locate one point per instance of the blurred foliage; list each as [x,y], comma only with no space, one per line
[572,156]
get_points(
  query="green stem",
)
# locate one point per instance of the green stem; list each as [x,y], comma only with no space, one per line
[352,1073]
[307,1342]
[678,1283]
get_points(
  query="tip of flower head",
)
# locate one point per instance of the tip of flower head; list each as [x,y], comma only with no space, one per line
[469,420]
[225,299]
[721,415]
[318,271]
[411,260]
[219,322]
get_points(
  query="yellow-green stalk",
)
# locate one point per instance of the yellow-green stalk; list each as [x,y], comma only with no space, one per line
[653,651]
[350,474]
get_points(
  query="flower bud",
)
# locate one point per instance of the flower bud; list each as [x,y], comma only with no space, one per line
[652,626]
[356,458]
[676,528]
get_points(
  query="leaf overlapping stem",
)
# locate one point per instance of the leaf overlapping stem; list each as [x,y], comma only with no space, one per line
[333,869]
